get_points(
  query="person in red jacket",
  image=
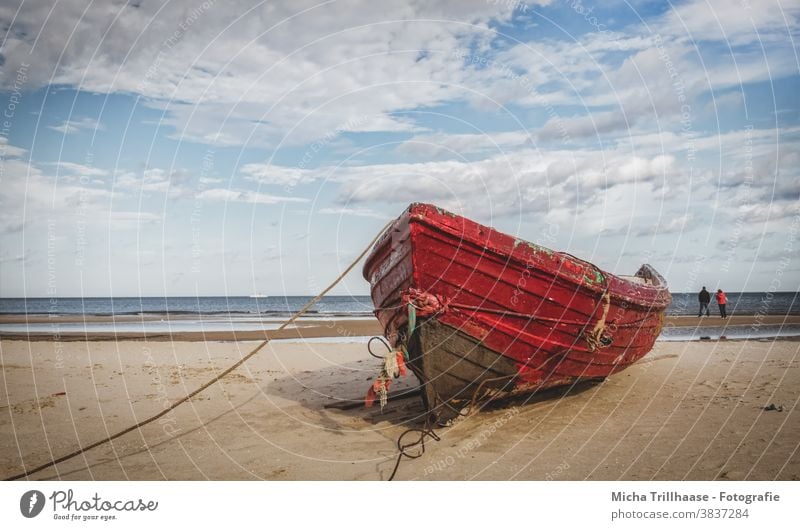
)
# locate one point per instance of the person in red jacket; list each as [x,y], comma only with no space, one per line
[721,301]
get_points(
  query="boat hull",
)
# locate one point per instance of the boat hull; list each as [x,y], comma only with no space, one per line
[519,316]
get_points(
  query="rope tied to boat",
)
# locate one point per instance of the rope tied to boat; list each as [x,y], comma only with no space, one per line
[597,338]
[412,325]
[425,304]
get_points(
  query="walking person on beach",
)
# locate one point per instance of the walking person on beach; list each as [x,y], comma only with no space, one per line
[705,298]
[721,301]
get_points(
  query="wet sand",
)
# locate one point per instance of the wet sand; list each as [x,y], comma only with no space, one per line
[308,329]
[689,410]
[304,328]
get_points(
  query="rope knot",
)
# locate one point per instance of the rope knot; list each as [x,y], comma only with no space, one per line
[426,304]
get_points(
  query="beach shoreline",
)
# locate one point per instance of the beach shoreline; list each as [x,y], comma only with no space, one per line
[310,328]
[300,330]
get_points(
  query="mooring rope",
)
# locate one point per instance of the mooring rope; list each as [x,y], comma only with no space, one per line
[219,376]
[426,431]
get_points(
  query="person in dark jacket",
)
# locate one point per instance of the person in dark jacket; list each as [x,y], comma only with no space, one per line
[705,298]
[721,301]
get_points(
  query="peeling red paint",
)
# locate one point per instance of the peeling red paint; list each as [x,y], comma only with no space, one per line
[557,317]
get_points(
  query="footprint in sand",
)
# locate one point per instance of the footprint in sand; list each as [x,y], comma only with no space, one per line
[30,405]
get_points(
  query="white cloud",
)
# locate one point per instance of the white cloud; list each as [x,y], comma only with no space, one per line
[252,197]
[518,182]
[742,23]
[80,170]
[175,183]
[64,128]
[30,196]
[72,126]
[669,226]
[726,101]
[593,124]
[458,145]
[353,212]
[754,213]
[10,151]
[273,174]
[12,259]
[122,220]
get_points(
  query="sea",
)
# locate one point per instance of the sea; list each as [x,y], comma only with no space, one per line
[274,306]
[244,313]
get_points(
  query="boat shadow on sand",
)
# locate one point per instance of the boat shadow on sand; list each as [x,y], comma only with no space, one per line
[331,397]
[331,401]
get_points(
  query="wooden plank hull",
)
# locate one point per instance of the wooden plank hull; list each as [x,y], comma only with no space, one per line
[509,308]
[457,371]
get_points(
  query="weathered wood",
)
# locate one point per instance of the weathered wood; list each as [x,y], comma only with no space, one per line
[454,366]
[348,404]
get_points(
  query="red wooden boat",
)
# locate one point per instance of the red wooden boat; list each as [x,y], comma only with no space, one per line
[481,314]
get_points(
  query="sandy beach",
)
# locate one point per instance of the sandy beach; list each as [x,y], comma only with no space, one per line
[689,410]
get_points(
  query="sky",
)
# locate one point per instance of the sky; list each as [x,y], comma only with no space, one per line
[191,147]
